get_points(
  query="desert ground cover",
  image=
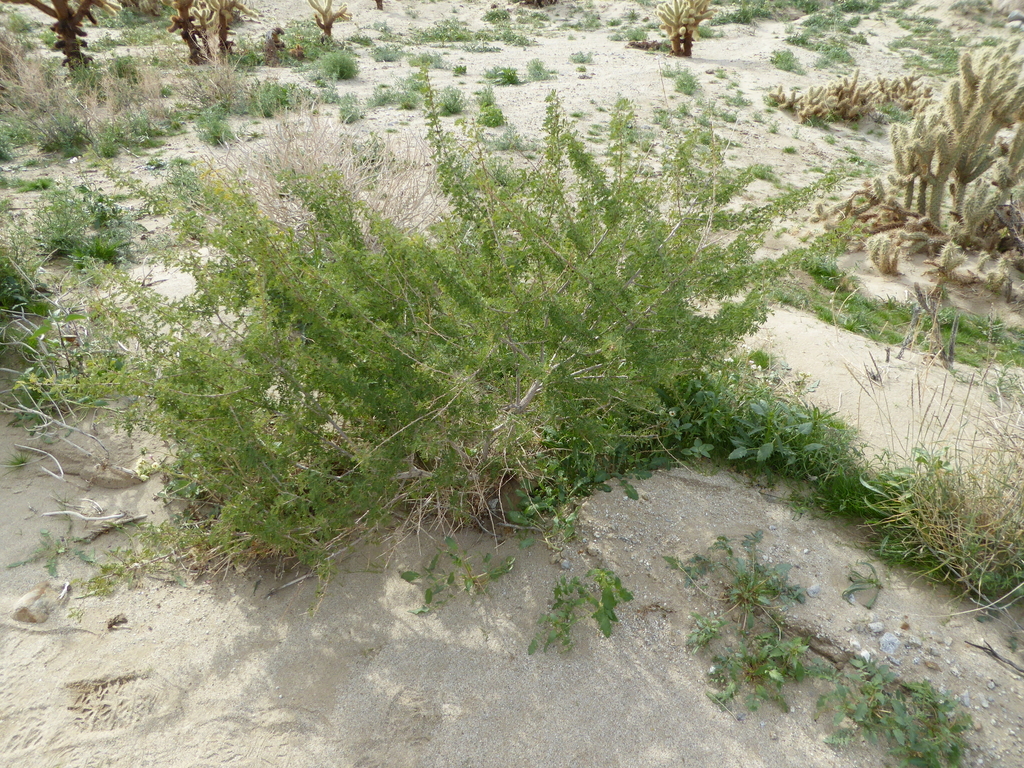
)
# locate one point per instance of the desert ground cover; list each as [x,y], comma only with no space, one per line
[481,384]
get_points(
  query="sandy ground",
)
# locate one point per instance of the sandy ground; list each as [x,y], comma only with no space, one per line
[218,673]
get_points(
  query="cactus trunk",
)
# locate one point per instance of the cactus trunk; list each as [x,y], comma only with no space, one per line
[677,45]
[687,42]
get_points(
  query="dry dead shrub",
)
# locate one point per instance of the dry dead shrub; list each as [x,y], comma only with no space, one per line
[218,84]
[395,179]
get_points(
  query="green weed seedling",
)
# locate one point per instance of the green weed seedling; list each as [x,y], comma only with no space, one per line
[50,550]
[922,727]
[443,585]
[863,582]
[571,595]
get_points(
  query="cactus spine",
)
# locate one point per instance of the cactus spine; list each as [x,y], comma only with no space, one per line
[680,19]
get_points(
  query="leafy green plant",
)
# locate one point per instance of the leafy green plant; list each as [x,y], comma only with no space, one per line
[443,585]
[387,53]
[491,116]
[63,132]
[582,57]
[922,727]
[572,595]
[428,59]
[82,224]
[685,80]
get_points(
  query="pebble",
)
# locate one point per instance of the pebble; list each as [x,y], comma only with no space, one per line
[814,590]
[889,643]
[566,565]
[34,606]
[876,627]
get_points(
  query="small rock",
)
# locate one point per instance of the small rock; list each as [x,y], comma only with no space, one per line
[965,698]
[991,684]
[593,551]
[876,627]
[1015,25]
[814,590]
[889,643]
[865,654]
[913,641]
[566,565]
[34,607]
[1015,16]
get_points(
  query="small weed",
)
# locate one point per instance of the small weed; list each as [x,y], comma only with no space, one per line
[503,76]
[212,127]
[789,150]
[459,69]
[450,101]
[428,60]
[497,16]
[573,594]
[387,53]
[685,81]
[581,57]
[922,726]
[443,585]
[863,582]
[536,71]
[339,65]
[50,550]
[349,110]
[787,61]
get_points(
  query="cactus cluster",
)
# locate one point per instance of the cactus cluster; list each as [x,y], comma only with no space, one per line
[680,19]
[954,167]
[325,16]
[204,25]
[849,98]
[68,25]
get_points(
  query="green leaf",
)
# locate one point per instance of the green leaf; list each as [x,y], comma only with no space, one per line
[739,453]
[765,451]
[409,576]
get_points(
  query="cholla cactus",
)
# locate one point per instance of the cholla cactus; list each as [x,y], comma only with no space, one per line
[214,17]
[849,98]
[952,145]
[680,19]
[325,16]
[184,21]
[70,17]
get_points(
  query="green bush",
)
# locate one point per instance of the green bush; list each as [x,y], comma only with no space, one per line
[349,110]
[371,373]
[387,53]
[339,65]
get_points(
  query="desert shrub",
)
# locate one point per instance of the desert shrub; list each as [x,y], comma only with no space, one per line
[340,374]
[131,130]
[339,65]
[65,132]
[17,269]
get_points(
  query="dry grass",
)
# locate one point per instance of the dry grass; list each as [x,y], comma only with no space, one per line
[394,179]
